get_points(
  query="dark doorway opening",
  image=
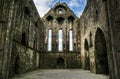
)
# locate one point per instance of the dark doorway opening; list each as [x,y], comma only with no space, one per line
[101,53]
[16,69]
[60,63]
[87,59]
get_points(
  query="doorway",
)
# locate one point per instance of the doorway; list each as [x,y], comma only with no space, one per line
[60,63]
[101,53]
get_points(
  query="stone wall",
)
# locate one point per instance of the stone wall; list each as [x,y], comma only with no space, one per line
[61,60]
[93,17]
[6,34]
[21,29]
[65,21]
[60,17]
[23,59]
[113,14]
[97,24]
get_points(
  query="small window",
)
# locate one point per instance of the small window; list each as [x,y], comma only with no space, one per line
[27,11]
[60,11]
[90,37]
[64,47]
[23,41]
[36,24]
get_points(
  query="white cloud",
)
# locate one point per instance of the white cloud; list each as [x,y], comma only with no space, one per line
[43,6]
[79,13]
[74,3]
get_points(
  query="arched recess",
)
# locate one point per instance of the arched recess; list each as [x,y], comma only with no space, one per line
[60,6]
[60,20]
[71,20]
[87,59]
[60,63]
[26,10]
[101,53]
[49,18]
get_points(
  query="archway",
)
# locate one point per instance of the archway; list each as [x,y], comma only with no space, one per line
[60,20]
[87,59]
[60,62]
[101,53]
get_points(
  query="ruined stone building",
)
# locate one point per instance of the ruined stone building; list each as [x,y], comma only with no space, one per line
[60,39]
[60,21]
[21,31]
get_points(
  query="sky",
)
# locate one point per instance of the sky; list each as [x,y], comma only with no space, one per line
[43,6]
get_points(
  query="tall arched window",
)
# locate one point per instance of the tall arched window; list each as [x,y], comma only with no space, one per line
[49,40]
[70,40]
[60,37]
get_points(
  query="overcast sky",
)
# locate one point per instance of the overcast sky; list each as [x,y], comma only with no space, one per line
[43,6]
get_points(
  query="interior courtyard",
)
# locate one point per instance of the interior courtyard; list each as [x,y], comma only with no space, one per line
[60,44]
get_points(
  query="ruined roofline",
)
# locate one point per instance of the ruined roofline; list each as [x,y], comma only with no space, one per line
[62,4]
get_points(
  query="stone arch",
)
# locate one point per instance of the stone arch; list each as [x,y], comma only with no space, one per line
[71,18]
[49,18]
[60,6]
[60,63]
[101,59]
[26,10]
[60,20]
[87,59]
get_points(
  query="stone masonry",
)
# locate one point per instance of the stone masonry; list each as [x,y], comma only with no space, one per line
[24,37]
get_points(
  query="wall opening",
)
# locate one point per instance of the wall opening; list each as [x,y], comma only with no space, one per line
[87,59]
[101,53]
[36,24]
[60,39]
[16,68]
[90,39]
[60,20]
[49,40]
[23,40]
[49,18]
[60,63]
[70,40]
[60,11]
[26,11]
[71,19]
